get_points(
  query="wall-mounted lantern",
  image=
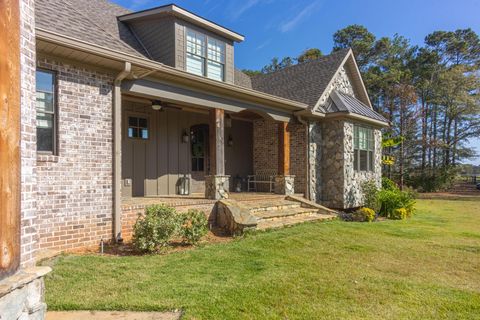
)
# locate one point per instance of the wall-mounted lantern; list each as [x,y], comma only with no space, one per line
[185,136]
[230,141]
[228,121]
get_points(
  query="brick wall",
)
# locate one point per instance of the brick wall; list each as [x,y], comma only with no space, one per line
[74,199]
[29,232]
[265,150]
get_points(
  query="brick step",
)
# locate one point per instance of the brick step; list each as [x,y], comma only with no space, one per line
[284,213]
[291,220]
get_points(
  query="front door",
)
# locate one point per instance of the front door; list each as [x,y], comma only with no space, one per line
[199,157]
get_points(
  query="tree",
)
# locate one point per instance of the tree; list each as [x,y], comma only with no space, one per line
[359,39]
[309,55]
[276,65]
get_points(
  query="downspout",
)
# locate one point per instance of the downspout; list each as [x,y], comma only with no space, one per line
[117,152]
[306,123]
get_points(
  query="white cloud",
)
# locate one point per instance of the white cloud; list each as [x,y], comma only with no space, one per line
[300,16]
[236,12]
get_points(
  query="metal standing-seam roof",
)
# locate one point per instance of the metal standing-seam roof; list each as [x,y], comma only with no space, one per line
[345,103]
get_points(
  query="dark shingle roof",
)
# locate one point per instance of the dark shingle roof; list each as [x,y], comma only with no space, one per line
[93,21]
[303,82]
[342,102]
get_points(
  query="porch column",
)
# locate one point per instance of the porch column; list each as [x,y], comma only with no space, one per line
[217,183]
[284,182]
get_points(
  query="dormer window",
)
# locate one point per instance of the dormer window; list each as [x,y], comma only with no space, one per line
[205,56]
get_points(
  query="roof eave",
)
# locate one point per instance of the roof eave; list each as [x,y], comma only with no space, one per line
[358,117]
[179,75]
[185,15]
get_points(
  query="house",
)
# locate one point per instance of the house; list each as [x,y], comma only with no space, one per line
[139,107]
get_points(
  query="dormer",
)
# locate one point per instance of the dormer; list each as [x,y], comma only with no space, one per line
[178,38]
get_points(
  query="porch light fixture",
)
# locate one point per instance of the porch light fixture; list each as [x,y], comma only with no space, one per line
[228,121]
[230,141]
[157,105]
[185,136]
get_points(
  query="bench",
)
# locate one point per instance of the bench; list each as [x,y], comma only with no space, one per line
[261,177]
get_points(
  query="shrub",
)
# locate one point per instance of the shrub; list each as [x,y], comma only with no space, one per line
[370,195]
[364,214]
[155,229]
[192,226]
[395,199]
[388,184]
[399,214]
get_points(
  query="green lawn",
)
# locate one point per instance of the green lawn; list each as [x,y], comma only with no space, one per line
[425,268]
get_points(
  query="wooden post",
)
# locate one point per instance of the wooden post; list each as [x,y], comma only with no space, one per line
[283,149]
[9,137]
[217,142]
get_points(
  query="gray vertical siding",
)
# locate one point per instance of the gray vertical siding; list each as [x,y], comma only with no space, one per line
[156,164]
[158,37]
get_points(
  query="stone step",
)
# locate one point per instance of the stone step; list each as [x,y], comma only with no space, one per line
[268,205]
[291,220]
[284,213]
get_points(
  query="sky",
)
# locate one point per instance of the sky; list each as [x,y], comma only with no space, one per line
[278,28]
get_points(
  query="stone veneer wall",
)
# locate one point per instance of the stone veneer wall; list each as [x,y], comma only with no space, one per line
[341,82]
[265,150]
[353,180]
[29,231]
[335,183]
[74,200]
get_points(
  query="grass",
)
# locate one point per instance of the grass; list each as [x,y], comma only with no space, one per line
[425,268]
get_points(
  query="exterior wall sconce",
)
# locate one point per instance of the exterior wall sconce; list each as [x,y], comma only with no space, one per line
[230,141]
[157,105]
[185,136]
[228,121]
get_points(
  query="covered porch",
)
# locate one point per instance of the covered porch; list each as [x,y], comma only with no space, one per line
[177,142]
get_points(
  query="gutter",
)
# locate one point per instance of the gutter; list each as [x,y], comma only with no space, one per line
[306,123]
[117,152]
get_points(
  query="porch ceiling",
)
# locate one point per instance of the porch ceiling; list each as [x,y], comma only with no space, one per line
[176,94]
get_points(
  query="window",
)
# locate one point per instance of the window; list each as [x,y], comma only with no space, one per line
[137,128]
[46,111]
[364,148]
[205,56]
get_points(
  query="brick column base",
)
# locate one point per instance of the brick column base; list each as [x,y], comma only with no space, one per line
[285,185]
[216,187]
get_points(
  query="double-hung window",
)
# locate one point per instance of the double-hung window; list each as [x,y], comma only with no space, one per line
[205,56]
[46,111]
[364,149]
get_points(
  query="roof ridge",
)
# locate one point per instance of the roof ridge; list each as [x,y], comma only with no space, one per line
[333,53]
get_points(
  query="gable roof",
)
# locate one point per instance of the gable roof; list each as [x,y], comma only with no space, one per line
[345,103]
[184,14]
[90,21]
[303,82]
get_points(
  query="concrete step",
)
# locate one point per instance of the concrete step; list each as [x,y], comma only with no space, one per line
[291,220]
[283,213]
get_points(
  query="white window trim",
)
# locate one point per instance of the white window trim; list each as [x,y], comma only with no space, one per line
[370,148]
[205,58]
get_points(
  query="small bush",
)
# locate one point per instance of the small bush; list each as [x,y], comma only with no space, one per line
[399,214]
[364,214]
[192,226]
[370,195]
[155,229]
[395,199]
[388,184]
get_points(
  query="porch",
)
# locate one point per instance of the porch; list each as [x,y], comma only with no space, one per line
[268,209]
[172,149]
